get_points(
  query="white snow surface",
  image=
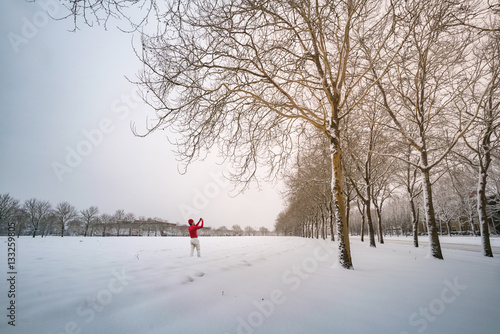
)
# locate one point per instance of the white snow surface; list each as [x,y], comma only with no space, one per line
[267,285]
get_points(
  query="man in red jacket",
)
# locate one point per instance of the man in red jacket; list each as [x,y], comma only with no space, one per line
[194,235]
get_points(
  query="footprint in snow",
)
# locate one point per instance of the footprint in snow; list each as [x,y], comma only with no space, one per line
[188,279]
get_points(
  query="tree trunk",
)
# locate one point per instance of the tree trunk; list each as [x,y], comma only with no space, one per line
[379,217]
[472,226]
[348,210]
[363,217]
[430,216]
[44,229]
[316,223]
[338,199]
[332,218]
[371,233]
[483,218]
[492,226]
[414,221]
[323,225]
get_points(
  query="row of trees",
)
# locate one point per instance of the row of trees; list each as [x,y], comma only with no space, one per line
[260,79]
[426,136]
[424,109]
[394,207]
[235,230]
[37,217]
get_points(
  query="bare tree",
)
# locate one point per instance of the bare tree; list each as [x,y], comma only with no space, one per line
[64,213]
[423,91]
[462,181]
[397,215]
[485,138]
[285,222]
[222,231]
[8,208]
[105,220]
[37,211]
[307,186]
[361,209]
[382,190]
[47,224]
[482,15]
[250,230]
[407,177]
[119,220]
[449,203]
[366,168]
[90,217]
[21,219]
[129,219]
[363,185]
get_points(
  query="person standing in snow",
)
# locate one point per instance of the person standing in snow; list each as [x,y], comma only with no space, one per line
[194,235]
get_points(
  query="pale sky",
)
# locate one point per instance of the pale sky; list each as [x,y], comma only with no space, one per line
[66,109]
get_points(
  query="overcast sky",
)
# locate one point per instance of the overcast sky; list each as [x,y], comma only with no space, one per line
[66,109]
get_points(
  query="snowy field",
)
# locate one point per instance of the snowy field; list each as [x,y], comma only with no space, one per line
[267,285]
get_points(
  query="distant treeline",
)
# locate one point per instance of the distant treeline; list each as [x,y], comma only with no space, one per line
[36,217]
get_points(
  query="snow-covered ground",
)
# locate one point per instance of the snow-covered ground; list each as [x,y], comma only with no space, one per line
[445,239]
[267,285]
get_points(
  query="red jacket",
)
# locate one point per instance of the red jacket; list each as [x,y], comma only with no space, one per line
[193,228]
